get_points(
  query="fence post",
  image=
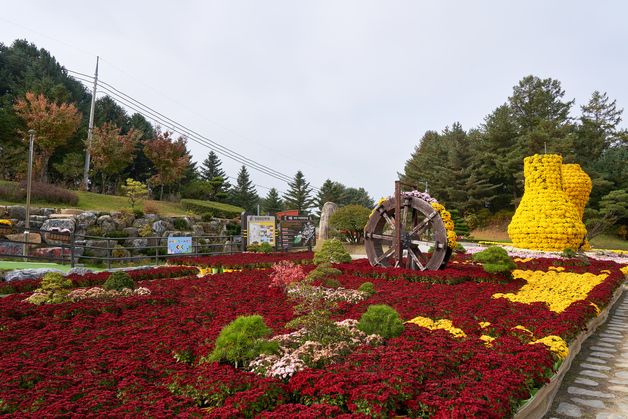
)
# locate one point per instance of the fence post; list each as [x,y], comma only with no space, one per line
[157,251]
[109,254]
[72,247]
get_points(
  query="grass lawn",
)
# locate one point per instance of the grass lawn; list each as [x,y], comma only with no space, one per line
[12,265]
[97,202]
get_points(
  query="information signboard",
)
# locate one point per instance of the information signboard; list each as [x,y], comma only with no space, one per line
[178,245]
[297,231]
[260,229]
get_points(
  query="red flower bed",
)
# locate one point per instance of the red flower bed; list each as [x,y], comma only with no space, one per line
[139,355]
[244,260]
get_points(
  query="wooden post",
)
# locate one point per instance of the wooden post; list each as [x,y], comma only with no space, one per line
[397,244]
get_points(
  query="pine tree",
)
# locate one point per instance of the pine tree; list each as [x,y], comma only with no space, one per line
[330,192]
[243,193]
[272,204]
[299,196]
[598,128]
[211,171]
[419,168]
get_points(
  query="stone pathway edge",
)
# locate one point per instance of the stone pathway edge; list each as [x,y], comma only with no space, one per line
[539,405]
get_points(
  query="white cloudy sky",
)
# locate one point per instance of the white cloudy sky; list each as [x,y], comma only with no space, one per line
[338,89]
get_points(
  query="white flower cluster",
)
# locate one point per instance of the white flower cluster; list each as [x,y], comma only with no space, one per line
[330,294]
[422,195]
[295,356]
[98,292]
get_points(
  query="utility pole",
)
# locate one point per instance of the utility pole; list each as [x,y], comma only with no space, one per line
[29,182]
[90,129]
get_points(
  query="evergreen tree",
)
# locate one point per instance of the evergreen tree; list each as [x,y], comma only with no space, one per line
[330,192]
[419,168]
[356,196]
[243,193]
[211,171]
[299,196]
[272,204]
[598,128]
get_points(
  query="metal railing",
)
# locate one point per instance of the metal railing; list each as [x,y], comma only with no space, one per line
[66,248]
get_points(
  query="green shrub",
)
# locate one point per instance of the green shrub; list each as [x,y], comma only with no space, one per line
[350,220]
[568,253]
[331,283]
[146,230]
[207,216]
[367,287]
[55,281]
[243,340]
[332,251]
[265,248]
[180,224]
[94,231]
[253,247]
[323,270]
[203,207]
[460,248]
[382,320]
[53,289]
[118,281]
[233,229]
[43,192]
[138,213]
[495,260]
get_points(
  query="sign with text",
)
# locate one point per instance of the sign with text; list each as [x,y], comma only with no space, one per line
[260,229]
[296,231]
[178,245]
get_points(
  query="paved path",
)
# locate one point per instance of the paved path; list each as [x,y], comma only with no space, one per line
[596,385]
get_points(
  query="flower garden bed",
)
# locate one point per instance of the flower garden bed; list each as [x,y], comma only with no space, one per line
[477,344]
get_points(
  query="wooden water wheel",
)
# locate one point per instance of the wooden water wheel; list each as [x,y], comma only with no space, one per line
[405,231]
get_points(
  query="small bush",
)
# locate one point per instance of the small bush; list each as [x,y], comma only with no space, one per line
[151,208]
[568,253]
[367,287]
[207,216]
[332,251]
[54,289]
[118,281]
[460,248]
[495,260]
[253,247]
[94,231]
[324,270]
[331,283]
[116,234]
[243,340]
[180,224]
[233,229]
[265,248]
[146,231]
[381,320]
[138,213]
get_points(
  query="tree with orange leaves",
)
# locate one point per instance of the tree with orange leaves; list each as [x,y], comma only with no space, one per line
[54,125]
[170,158]
[111,151]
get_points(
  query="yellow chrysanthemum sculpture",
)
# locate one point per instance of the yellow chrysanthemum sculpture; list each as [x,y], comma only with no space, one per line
[577,185]
[546,218]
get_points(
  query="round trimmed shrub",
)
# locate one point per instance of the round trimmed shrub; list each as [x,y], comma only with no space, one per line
[332,251]
[54,281]
[367,287]
[243,340]
[118,281]
[381,319]
[495,259]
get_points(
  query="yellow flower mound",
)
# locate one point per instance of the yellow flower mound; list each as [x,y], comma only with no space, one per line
[624,270]
[557,289]
[577,185]
[487,340]
[6,222]
[555,344]
[438,324]
[484,325]
[449,224]
[546,218]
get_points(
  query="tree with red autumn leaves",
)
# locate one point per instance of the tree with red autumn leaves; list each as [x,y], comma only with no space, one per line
[112,151]
[54,125]
[170,158]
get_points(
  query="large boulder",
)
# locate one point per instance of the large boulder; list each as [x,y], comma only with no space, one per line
[106,224]
[161,226]
[122,220]
[97,248]
[86,219]
[79,270]
[323,227]
[58,230]
[17,211]
[131,231]
[22,274]
[198,230]
[36,221]
[11,249]
[33,238]
[53,252]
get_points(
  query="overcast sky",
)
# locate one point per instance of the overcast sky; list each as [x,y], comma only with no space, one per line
[338,89]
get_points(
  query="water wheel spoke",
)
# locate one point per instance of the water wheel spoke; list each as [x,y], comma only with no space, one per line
[384,255]
[422,226]
[415,258]
[404,216]
[389,220]
[383,237]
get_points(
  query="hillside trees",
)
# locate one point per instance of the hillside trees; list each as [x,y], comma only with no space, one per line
[53,123]
[112,151]
[243,193]
[272,204]
[170,158]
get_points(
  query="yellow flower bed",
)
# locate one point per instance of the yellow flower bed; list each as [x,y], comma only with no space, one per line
[6,222]
[557,289]
[546,218]
[555,344]
[438,324]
